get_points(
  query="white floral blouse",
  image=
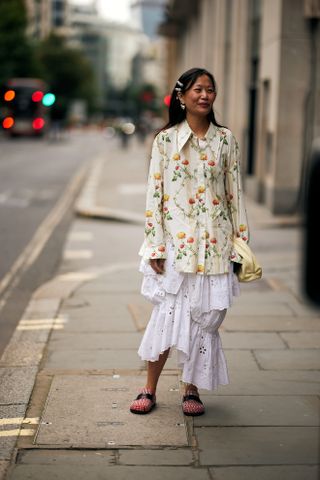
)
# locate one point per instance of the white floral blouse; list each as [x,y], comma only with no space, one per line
[195,199]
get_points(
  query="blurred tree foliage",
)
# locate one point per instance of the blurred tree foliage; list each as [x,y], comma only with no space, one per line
[132,100]
[67,71]
[16,53]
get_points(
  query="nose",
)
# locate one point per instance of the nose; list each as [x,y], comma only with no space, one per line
[204,93]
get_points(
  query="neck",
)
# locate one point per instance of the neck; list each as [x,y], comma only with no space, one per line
[199,125]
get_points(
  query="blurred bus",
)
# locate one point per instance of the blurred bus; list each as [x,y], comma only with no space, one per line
[24,106]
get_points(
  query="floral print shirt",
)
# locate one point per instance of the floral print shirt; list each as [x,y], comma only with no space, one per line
[195,199]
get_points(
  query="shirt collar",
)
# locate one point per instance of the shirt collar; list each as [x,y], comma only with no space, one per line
[184,133]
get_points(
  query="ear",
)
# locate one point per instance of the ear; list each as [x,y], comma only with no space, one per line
[180,95]
[214,97]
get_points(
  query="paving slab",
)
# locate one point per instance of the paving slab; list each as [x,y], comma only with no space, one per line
[93,472]
[4,465]
[283,472]
[304,309]
[56,289]
[250,307]
[270,323]
[273,382]
[288,359]
[81,300]
[123,281]
[261,286]
[41,307]
[11,417]
[240,360]
[94,322]
[66,457]
[93,359]
[251,340]
[109,313]
[260,410]
[156,457]
[94,341]
[302,339]
[141,313]
[258,445]
[16,384]
[98,415]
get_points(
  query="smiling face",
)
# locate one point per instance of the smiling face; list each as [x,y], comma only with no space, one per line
[199,98]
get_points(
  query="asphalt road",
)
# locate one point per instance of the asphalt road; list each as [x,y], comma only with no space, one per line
[34,175]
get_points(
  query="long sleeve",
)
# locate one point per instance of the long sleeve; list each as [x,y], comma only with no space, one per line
[234,192]
[154,244]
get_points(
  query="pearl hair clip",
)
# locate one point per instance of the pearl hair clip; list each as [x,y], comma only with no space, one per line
[179,87]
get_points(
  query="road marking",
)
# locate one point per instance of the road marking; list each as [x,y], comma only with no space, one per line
[80,236]
[132,188]
[77,254]
[42,235]
[4,196]
[24,198]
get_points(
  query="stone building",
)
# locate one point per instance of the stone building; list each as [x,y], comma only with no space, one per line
[265,56]
[45,16]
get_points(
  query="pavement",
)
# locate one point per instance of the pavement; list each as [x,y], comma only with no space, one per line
[71,368]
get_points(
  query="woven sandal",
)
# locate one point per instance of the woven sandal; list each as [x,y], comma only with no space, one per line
[192,405]
[144,402]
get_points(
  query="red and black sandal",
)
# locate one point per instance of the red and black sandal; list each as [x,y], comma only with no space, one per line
[144,403]
[192,406]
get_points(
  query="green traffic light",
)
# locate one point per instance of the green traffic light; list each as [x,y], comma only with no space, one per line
[48,99]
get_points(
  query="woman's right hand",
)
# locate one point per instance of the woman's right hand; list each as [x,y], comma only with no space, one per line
[157,264]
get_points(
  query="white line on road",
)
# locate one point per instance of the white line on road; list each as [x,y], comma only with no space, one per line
[77,254]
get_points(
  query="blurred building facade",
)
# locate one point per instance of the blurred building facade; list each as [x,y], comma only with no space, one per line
[44,16]
[150,62]
[121,54]
[265,57]
[147,14]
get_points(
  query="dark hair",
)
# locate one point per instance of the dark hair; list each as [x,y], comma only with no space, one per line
[184,83]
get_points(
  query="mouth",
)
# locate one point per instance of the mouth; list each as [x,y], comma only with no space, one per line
[205,105]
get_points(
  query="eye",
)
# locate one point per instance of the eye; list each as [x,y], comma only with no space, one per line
[197,89]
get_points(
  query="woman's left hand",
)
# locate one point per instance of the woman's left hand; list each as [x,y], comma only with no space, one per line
[157,264]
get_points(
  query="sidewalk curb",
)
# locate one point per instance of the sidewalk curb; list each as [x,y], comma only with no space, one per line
[86,205]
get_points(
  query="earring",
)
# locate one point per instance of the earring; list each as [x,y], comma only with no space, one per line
[182,105]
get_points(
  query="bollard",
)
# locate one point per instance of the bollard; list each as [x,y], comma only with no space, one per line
[311,264]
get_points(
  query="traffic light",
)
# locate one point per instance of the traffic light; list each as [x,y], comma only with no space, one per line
[167,100]
[7,122]
[9,95]
[37,96]
[48,99]
[38,123]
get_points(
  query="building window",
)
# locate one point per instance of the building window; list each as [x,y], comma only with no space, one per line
[58,8]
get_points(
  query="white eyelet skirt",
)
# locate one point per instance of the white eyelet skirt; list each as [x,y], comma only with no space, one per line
[188,311]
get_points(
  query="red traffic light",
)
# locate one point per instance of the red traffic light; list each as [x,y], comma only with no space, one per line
[38,123]
[8,122]
[37,96]
[167,100]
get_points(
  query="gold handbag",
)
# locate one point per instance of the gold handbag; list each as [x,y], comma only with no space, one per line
[249,268]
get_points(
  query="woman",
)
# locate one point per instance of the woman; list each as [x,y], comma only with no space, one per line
[194,209]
